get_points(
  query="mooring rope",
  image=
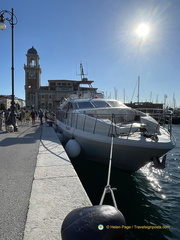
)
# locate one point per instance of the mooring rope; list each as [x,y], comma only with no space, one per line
[108,188]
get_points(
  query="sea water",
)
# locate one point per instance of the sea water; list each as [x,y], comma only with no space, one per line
[149,198]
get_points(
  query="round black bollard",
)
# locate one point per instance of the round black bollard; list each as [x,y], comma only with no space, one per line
[102,222]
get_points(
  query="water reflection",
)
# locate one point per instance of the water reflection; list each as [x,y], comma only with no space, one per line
[149,197]
[138,196]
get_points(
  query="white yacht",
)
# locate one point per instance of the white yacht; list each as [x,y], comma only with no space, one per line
[92,122]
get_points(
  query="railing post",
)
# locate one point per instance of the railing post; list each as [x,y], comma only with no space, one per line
[95,125]
[84,122]
[76,120]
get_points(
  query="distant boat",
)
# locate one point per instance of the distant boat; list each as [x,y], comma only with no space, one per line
[175,115]
[155,110]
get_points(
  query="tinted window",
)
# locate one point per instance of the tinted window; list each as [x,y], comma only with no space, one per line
[84,105]
[116,104]
[100,104]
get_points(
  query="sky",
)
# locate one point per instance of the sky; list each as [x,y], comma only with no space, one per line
[102,35]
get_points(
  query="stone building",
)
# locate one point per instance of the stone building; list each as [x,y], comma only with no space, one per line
[47,97]
[5,102]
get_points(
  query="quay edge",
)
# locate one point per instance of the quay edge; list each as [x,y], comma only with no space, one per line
[56,190]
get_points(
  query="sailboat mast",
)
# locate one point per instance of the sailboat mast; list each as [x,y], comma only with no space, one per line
[138,89]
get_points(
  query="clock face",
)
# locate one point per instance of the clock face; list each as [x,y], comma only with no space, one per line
[32,75]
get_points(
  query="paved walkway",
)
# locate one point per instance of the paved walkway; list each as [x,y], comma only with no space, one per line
[18,155]
[36,174]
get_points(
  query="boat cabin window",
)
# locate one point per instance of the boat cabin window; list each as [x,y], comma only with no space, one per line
[84,105]
[100,104]
[116,104]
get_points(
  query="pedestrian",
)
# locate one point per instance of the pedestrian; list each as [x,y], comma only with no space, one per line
[27,117]
[41,115]
[33,116]
[1,119]
[8,118]
[22,117]
[46,116]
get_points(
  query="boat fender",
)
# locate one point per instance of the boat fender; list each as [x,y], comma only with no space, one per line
[159,164]
[73,148]
[100,222]
[60,136]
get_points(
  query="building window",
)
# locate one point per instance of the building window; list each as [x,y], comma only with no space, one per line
[42,96]
[52,84]
[50,105]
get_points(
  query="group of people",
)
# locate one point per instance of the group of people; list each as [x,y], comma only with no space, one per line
[22,117]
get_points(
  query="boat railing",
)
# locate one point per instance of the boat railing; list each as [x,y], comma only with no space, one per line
[121,125]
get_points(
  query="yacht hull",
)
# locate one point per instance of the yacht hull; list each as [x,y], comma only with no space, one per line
[129,153]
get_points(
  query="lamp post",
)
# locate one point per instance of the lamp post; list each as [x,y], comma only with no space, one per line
[12,19]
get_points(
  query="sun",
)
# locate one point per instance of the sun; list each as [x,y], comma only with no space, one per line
[142,30]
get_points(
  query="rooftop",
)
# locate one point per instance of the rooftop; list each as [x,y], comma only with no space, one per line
[32,51]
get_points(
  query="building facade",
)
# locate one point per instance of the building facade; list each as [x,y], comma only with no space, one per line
[5,102]
[46,97]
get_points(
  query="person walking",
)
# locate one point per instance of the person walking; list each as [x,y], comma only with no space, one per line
[27,117]
[1,119]
[46,116]
[41,115]
[33,116]
[8,118]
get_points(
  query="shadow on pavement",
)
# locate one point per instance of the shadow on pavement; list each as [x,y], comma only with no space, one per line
[24,136]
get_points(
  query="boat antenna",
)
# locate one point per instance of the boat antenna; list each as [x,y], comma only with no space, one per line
[82,71]
[82,74]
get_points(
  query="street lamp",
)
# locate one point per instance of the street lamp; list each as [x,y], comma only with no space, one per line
[12,19]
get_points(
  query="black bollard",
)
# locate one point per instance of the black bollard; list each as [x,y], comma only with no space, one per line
[102,222]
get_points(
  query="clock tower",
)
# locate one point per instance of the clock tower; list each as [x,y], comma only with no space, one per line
[32,78]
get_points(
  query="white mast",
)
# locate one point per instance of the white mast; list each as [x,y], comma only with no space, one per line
[138,89]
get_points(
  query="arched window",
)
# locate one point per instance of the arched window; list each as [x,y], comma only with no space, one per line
[32,63]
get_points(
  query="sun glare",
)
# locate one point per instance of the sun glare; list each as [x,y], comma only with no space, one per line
[142,30]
